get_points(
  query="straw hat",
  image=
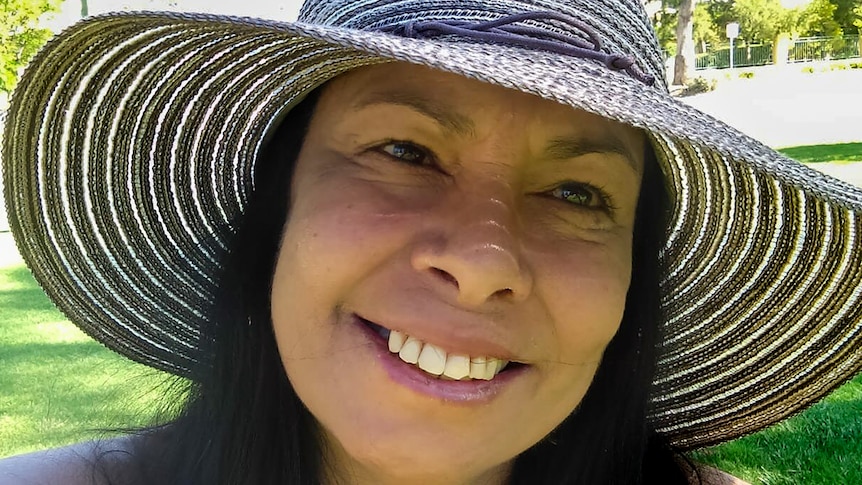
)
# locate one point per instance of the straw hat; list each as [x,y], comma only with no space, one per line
[131,139]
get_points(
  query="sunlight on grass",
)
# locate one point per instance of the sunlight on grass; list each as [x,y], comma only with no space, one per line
[838,152]
[65,387]
[59,332]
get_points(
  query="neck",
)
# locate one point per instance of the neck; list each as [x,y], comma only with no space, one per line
[342,469]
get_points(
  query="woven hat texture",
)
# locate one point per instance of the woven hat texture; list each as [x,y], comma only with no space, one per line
[130,145]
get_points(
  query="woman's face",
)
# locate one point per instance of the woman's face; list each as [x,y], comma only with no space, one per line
[486,224]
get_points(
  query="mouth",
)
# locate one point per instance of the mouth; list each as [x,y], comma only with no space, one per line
[438,363]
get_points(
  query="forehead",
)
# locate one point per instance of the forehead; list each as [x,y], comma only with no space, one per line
[459,102]
[470,109]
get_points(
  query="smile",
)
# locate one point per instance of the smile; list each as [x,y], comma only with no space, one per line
[436,362]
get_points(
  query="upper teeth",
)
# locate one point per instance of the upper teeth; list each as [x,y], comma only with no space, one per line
[436,361]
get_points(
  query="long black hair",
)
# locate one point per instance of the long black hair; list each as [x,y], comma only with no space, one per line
[243,423]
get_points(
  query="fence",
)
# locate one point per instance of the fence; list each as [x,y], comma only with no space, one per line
[801,50]
[824,49]
[749,55]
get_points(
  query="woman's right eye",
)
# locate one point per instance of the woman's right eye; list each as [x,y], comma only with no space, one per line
[407,152]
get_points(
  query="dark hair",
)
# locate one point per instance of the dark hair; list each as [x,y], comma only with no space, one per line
[243,423]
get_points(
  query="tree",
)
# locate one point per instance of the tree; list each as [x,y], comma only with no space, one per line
[844,15]
[818,19]
[20,35]
[763,20]
[857,17]
[705,30]
[683,64]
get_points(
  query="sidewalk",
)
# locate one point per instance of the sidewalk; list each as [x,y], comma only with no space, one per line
[786,107]
[8,251]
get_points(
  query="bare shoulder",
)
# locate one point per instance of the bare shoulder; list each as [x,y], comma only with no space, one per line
[714,476]
[91,463]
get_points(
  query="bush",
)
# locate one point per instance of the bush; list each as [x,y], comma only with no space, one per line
[856,65]
[746,75]
[838,67]
[808,69]
[698,85]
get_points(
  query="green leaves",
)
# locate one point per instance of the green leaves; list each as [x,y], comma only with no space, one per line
[21,36]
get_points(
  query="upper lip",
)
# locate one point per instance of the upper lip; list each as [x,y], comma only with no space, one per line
[471,335]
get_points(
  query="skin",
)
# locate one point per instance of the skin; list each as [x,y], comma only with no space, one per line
[473,217]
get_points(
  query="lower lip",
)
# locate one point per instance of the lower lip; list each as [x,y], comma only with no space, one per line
[410,376]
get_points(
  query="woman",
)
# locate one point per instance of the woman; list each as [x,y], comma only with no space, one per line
[453,268]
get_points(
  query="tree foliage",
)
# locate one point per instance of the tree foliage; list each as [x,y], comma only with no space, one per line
[763,20]
[760,21]
[705,29]
[20,35]
[818,19]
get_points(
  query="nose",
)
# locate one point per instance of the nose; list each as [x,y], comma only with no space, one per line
[473,245]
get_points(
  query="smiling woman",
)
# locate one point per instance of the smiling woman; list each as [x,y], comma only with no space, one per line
[401,242]
[460,242]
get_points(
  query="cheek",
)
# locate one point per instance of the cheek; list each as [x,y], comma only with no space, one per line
[338,233]
[586,296]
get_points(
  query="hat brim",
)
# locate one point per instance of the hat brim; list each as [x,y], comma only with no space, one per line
[130,147]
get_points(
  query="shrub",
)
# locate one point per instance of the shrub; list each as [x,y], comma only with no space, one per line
[746,75]
[808,69]
[838,67]
[698,85]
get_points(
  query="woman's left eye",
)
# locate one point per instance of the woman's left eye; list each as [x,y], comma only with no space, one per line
[407,152]
[580,194]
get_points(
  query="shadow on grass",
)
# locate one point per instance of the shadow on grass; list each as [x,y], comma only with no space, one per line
[847,152]
[821,445]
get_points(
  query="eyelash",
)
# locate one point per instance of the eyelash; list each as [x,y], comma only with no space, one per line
[427,158]
[602,200]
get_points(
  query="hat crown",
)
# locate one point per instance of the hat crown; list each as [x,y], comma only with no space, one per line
[622,25]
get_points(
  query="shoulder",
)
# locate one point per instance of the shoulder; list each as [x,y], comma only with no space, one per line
[91,463]
[713,476]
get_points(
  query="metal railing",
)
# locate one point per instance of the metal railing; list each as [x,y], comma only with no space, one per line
[745,56]
[824,49]
[801,50]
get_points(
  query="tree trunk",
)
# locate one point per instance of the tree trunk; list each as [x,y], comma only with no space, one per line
[683,66]
[84,9]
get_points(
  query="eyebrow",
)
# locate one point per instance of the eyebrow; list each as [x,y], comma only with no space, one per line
[558,148]
[562,148]
[448,119]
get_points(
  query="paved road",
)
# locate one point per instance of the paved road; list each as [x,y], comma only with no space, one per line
[785,107]
[8,252]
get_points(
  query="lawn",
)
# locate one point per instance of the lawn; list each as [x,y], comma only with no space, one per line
[839,152]
[58,386]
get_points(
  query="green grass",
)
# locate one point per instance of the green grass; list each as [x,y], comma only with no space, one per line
[822,445]
[839,152]
[58,386]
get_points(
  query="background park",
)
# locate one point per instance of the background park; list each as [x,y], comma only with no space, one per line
[795,85]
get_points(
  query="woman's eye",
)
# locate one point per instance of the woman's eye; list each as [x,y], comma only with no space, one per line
[406,152]
[579,194]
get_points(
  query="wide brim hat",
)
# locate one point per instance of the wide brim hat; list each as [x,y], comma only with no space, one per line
[130,146]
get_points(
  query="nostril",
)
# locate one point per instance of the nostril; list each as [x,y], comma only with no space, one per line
[446,276]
